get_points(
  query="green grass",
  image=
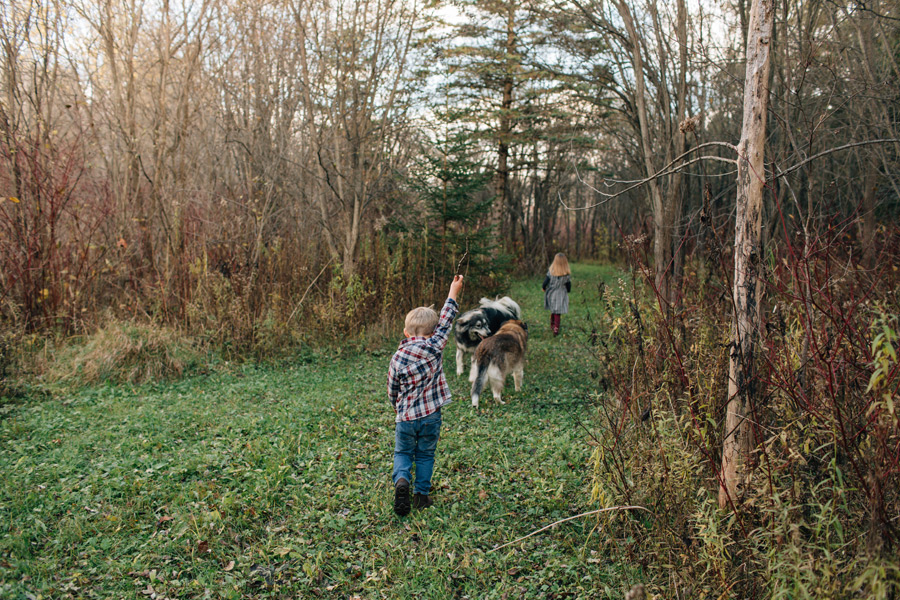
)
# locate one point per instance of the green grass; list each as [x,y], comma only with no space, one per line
[275,482]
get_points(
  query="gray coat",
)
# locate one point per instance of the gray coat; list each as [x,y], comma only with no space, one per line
[556,293]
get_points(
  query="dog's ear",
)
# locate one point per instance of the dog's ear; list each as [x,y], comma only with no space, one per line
[525,326]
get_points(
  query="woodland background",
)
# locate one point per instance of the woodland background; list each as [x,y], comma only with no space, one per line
[250,179]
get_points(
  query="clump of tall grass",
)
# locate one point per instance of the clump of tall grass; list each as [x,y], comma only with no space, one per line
[123,352]
[7,361]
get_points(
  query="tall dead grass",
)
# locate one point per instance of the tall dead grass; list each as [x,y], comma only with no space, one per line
[123,352]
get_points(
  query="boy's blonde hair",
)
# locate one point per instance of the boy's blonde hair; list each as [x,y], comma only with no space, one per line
[560,265]
[421,321]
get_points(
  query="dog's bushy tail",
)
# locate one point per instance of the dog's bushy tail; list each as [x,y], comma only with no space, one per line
[483,362]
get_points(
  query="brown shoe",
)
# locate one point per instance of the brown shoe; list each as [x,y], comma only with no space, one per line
[421,501]
[401,497]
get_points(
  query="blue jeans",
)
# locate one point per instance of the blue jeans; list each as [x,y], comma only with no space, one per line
[415,442]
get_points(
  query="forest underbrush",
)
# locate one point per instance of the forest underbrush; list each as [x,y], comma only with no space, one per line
[217,315]
[819,516]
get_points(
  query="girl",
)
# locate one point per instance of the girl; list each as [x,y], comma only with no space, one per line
[557,286]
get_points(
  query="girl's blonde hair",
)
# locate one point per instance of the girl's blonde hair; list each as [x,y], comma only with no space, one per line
[559,266]
[421,321]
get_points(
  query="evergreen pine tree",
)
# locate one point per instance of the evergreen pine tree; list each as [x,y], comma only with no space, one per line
[455,192]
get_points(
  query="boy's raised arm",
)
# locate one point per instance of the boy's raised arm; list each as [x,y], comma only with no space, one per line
[455,287]
[442,331]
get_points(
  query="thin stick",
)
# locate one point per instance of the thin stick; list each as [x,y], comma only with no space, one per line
[309,287]
[465,256]
[593,512]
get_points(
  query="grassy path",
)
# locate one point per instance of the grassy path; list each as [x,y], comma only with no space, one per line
[275,482]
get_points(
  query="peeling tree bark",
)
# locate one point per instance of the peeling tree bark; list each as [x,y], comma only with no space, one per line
[742,377]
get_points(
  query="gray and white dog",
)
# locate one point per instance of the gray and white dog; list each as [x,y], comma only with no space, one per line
[476,324]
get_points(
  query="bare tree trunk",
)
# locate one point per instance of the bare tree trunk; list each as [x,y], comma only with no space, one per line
[879,117]
[302,18]
[676,189]
[503,199]
[742,384]
[662,242]
[867,232]
[666,196]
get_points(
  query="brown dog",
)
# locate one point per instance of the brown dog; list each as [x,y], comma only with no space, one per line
[498,356]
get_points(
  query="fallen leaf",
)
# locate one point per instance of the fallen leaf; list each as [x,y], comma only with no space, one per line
[482,495]
[361,466]
[203,547]
[139,573]
[229,566]
[164,519]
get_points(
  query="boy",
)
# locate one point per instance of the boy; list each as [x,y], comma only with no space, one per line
[418,389]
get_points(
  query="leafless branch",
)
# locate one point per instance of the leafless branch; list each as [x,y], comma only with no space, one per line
[833,150]
[670,168]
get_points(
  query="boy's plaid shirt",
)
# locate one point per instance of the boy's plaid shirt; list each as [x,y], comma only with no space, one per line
[416,383]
